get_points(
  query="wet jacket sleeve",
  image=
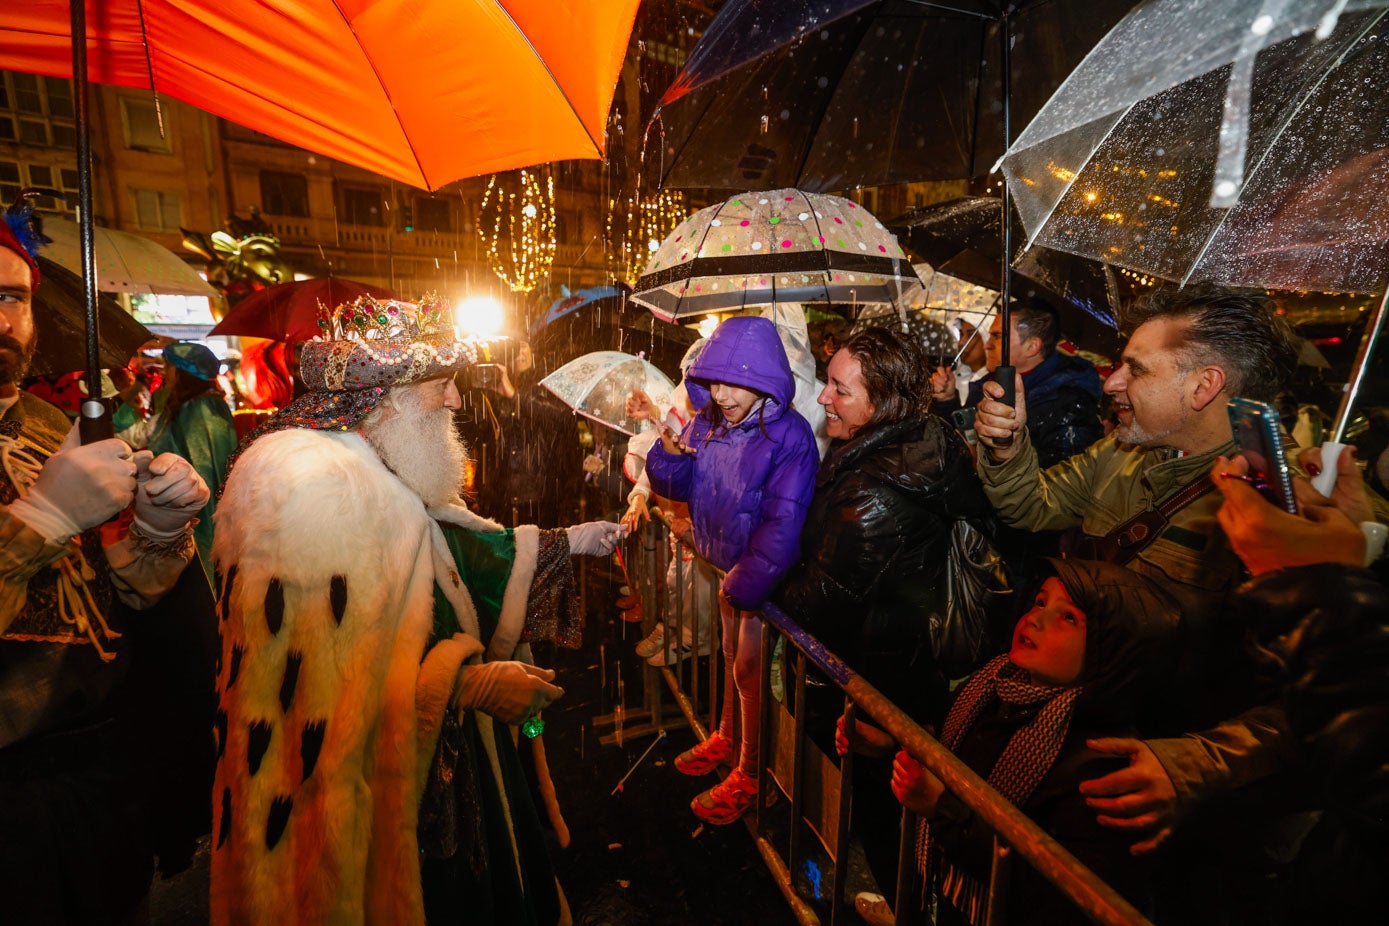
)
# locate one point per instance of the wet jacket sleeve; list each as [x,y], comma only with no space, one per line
[23,552]
[670,473]
[1028,497]
[1325,630]
[844,562]
[775,543]
[1228,756]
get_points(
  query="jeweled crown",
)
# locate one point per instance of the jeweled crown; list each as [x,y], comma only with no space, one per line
[369,319]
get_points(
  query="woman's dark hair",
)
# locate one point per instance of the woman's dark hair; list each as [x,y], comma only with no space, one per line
[186,387]
[895,372]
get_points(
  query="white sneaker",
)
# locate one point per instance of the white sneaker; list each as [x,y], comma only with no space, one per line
[654,642]
[668,655]
[873,909]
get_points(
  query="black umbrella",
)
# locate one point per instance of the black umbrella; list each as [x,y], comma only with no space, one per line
[845,93]
[612,323]
[60,325]
[961,237]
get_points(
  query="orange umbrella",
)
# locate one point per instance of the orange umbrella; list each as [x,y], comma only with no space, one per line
[424,91]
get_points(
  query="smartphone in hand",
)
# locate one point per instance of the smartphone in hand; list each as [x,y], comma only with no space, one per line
[1260,442]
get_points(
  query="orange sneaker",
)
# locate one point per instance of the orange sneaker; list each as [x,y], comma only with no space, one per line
[726,801]
[703,758]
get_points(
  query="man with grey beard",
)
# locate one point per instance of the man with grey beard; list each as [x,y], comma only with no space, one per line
[376,646]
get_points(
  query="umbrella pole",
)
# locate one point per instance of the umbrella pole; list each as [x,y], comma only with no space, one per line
[1005,373]
[1357,371]
[95,421]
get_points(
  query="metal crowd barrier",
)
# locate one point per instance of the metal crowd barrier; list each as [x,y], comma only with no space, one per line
[820,788]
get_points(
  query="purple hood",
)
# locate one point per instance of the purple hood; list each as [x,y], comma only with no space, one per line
[746,351]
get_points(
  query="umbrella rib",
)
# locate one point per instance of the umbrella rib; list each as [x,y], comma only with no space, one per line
[948,8]
[1278,134]
[1032,238]
[597,146]
[380,82]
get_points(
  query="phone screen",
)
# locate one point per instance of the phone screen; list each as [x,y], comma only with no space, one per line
[1260,441]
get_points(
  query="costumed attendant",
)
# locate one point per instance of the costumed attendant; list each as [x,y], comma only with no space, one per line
[1093,648]
[375,646]
[194,423]
[94,539]
[746,464]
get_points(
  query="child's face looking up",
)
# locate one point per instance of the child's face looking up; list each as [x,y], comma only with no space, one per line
[1049,641]
[734,402]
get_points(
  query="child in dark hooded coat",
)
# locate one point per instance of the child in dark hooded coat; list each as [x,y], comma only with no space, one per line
[746,464]
[1097,640]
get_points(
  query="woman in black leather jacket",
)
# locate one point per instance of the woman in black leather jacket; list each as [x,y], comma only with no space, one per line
[874,546]
[873,554]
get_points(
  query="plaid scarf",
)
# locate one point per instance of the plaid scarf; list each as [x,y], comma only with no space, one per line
[1023,764]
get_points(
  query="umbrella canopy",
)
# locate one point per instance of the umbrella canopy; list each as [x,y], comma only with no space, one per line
[1142,160]
[842,93]
[289,311]
[60,323]
[423,91]
[961,238]
[776,246]
[933,335]
[125,263]
[1215,140]
[608,296]
[596,386]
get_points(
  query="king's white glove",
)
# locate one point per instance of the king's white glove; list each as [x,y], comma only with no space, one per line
[509,691]
[595,538]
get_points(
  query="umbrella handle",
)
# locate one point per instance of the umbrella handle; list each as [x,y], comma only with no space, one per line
[96,423]
[1006,376]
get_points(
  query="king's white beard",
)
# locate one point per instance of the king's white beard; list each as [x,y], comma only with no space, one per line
[421,447]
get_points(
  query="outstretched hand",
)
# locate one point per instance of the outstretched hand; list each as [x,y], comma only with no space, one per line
[994,421]
[1266,537]
[1139,799]
[637,513]
[595,538]
[640,407]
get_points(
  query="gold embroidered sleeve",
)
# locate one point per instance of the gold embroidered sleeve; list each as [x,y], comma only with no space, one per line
[554,610]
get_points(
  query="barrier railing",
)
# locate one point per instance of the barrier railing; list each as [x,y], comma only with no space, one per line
[820,791]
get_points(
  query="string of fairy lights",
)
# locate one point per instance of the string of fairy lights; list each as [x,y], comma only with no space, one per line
[636,227]
[518,228]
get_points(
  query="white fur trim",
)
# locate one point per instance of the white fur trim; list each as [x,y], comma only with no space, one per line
[518,585]
[300,508]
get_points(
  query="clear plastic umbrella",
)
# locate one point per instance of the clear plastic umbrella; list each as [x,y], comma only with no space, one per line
[1234,141]
[773,247]
[596,386]
[1223,140]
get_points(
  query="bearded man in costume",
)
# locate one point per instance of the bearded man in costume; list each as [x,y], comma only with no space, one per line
[366,772]
[90,536]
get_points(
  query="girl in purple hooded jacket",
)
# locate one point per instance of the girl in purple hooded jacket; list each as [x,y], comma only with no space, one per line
[746,464]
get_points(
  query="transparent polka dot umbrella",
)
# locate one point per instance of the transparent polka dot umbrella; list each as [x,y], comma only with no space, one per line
[770,247]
